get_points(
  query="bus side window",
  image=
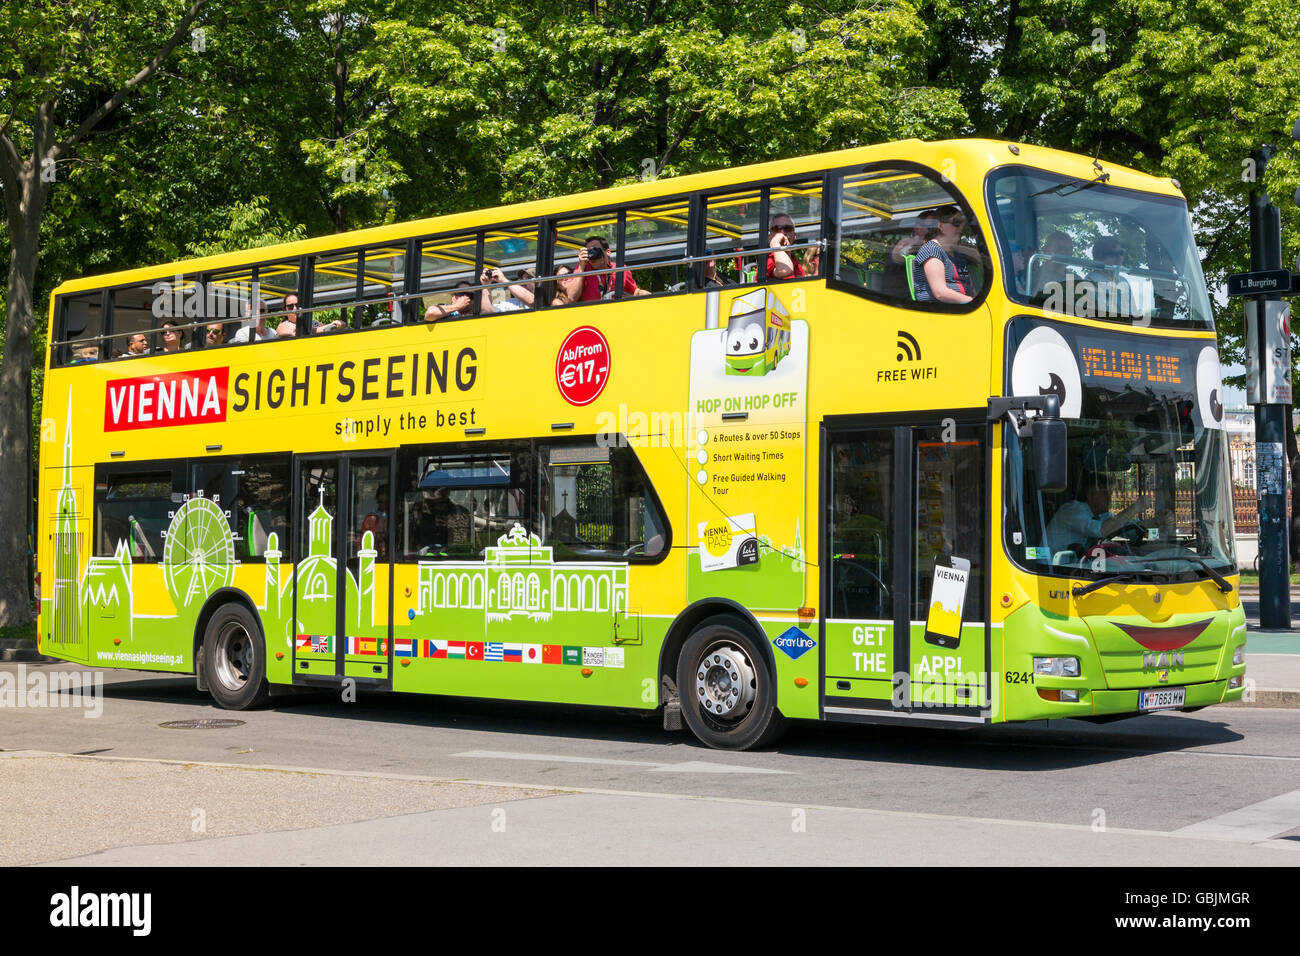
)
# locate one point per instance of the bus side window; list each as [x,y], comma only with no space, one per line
[446,264]
[133,319]
[654,245]
[513,251]
[383,271]
[571,239]
[133,511]
[454,504]
[886,217]
[731,233]
[596,504]
[253,491]
[334,289]
[239,298]
[794,214]
[82,321]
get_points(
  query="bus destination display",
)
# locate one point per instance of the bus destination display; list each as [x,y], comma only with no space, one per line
[1136,365]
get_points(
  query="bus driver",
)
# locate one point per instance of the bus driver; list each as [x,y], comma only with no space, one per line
[1078,524]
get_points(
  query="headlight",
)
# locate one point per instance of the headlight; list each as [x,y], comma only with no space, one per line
[1056,667]
[1239,655]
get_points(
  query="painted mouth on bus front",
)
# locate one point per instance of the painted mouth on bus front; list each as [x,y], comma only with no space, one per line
[1165,638]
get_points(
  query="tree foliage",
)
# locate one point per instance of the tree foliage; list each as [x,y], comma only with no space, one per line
[277,121]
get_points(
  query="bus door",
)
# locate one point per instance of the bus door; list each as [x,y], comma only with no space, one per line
[342,608]
[904,529]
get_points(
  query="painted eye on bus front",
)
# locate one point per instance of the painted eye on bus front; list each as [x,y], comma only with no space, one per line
[1209,388]
[746,340]
[1044,364]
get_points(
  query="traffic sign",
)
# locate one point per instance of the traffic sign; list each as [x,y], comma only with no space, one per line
[1258,283]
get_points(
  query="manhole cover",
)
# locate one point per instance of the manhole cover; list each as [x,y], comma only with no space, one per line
[205,723]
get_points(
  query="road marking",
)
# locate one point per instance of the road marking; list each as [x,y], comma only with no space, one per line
[653,766]
[1259,821]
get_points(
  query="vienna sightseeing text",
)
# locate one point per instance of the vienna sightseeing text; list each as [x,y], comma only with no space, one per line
[401,376]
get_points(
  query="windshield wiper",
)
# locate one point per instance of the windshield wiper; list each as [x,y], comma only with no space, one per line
[1219,579]
[1078,184]
[1083,589]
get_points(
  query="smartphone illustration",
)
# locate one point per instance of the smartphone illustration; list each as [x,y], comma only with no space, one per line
[947,598]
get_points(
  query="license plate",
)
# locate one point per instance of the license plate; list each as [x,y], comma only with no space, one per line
[1162,699]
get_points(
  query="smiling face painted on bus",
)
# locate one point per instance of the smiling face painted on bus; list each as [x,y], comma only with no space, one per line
[757,334]
[743,342]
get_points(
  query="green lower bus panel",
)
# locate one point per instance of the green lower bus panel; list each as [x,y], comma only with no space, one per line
[859,689]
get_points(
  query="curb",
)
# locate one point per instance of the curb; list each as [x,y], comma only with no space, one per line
[1268,697]
[18,651]
[24,656]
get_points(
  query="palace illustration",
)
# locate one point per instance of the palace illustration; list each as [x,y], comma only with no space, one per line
[520,579]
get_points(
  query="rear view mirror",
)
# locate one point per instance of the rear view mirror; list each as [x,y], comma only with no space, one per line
[1048,442]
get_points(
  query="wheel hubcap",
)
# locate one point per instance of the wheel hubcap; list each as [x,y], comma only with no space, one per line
[233,656]
[724,682]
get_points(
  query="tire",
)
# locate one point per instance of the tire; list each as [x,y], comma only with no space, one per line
[234,658]
[728,694]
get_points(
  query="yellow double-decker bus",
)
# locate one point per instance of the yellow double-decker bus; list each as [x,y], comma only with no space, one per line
[917,432]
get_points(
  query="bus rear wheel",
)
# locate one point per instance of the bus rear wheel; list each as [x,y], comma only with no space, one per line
[234,658]
[728,695]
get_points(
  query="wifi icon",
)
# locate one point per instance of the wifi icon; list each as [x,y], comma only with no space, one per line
[908,347]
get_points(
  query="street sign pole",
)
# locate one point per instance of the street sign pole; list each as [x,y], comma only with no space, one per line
[1271,415]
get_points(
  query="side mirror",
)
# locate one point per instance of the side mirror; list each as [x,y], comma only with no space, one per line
[1048,442]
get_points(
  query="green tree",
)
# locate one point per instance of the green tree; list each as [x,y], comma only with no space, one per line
[67,69]
[465,109]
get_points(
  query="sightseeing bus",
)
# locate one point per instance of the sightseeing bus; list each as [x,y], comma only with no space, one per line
[959,460]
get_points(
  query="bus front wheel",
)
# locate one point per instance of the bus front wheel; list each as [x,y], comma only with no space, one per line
[728,695]
[234,658]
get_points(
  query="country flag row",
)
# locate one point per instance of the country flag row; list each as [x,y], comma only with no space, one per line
[467,650]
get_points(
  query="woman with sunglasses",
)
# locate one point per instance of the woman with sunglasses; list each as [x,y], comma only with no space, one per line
[936,275]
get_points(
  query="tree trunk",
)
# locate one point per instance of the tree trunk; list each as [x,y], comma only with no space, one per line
[15,385]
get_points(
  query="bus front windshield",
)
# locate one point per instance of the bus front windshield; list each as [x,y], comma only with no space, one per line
[1082,247]
[1149,494]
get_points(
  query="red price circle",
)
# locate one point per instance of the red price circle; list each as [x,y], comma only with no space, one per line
[582,366]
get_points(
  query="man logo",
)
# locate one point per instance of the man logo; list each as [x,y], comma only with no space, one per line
[908,347]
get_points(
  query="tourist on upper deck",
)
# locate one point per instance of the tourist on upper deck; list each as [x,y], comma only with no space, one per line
[936,275]
[461,305]
[592,257]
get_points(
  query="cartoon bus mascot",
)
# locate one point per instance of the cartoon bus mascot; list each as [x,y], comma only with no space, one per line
[757,334]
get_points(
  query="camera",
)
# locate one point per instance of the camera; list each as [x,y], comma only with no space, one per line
[594,251]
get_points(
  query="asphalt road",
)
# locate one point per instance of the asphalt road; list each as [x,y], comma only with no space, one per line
[406,779]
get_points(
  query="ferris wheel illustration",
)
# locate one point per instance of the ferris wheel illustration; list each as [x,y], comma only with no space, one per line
[199,556]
